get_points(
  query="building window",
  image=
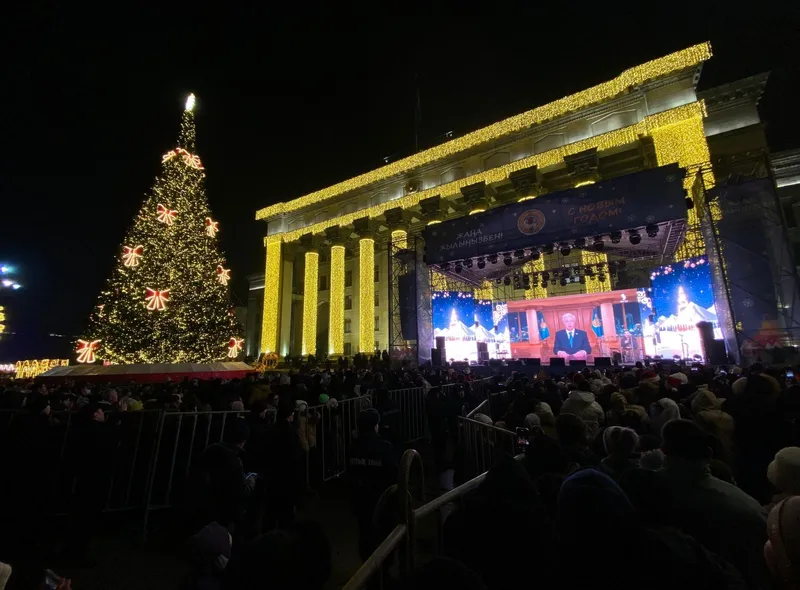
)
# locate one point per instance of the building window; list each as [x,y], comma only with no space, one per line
[348,325]
[377,322]
[323,282]
[518,326]
[348,302]
[377,299]
[377,273]
[348,278]
[348,349]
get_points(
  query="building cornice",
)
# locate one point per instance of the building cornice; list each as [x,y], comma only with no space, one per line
[628,80]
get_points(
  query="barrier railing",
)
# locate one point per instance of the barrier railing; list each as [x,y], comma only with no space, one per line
[411,403]
[404,535]
[483,444]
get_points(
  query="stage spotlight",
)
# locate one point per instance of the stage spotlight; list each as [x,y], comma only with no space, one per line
[507,259]
[545,276]
[519,253]
[634,236]
[601,278]
[493,258]
[588,270]
[565,249]
[563,282]
[506,281]
[580,243]
[598,244]
[446,267]
[534,255]
[458,267]
[543,285]
[616,236]
[481,263]
[526,283]
[652,230]
[547,249]
[498,281]
[582,280]
[468,263]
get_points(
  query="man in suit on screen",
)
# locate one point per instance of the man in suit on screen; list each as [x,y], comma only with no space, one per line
[571,343]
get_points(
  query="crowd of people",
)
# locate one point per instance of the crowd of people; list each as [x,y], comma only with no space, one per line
[650,477]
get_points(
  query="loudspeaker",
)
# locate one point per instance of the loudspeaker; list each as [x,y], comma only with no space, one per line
[576,363]
[602,361]
[516,364]
[436,357]
[442,351]
[532,362]
[483,352]
[440,342]
[719,356]
[617,357]
[557,361]
[713,350]
[407,295]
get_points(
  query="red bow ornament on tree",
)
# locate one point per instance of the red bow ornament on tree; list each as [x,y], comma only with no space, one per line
[131,255]
[188,158]
[157,300]
[86,351]
[212,227]
[235,347]
[166,215]
[223,275]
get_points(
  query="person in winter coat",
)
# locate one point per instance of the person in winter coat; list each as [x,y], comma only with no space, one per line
[583,405]
[573,436]
[620,446]
[782,550]
[719,515]
[661,412]
[784,474]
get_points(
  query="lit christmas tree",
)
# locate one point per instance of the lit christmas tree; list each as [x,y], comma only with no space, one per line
[167,298]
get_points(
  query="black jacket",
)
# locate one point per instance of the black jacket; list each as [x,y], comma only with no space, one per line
[222,489]
[283,467]
[371,468]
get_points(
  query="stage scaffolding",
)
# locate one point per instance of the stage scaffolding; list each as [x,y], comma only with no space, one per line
[756,281]
[409,308]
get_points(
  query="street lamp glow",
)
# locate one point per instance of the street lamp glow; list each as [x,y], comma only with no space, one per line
[190,102]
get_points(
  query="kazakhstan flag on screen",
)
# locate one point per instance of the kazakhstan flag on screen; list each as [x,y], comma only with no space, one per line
[597,322]
[544,331]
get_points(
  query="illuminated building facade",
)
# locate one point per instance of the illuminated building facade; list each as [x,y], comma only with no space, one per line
[326,259]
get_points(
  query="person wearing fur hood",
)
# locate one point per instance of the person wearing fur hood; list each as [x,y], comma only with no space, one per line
[583,405]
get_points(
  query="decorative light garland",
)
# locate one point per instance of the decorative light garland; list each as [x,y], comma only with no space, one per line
[310,291]
[157,300]
[131,255]
[188,158]
[165,214]
[366,294]
[29,369]
[628,79]
[86,351]
[336,307]
[272,295]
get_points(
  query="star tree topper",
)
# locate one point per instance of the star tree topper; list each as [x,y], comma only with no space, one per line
[86,351]
[157,300]
[235,347]
[223,275]
[131,255]
[166,215]
[212,227]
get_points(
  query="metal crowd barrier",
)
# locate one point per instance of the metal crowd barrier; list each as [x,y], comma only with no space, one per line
[411,403]
[483,444]
[403,539]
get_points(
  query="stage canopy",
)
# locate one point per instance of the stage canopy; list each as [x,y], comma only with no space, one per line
[653,197]
[148,373]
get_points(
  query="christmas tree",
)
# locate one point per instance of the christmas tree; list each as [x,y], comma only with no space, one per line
[167,298]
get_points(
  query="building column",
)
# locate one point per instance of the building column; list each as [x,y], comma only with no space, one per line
[272,295]
[366,294]
[310,293]
[595,258]
[336,314]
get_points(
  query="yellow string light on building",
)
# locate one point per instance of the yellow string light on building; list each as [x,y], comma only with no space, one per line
[630,78]
[400,239]
[336,317]
[310,292]
[272,295]
[596,285]
[366,308]
[605,141]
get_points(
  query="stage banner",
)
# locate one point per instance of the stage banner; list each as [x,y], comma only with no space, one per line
[635,200]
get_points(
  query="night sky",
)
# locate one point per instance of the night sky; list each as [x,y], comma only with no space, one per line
[292,99]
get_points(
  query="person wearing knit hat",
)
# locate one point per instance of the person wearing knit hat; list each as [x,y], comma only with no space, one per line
[620,445]
[663,411]
[784,473]
[739,386]
[532,420]
[677,379]
[650,376]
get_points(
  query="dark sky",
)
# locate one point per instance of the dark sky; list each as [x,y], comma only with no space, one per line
[292,99]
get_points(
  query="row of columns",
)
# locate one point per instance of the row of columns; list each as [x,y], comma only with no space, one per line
[271,322]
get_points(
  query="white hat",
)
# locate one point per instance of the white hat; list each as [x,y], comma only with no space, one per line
[784,471]
[482,418]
